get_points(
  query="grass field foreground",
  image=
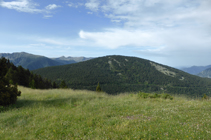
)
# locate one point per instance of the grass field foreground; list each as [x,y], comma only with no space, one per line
[68,114]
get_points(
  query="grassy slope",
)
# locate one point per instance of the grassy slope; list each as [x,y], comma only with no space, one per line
[68,114]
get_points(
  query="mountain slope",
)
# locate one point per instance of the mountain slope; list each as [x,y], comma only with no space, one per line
[206,73]
[195,69]
[32,62]
[123,74]
[18,75]
[29,61]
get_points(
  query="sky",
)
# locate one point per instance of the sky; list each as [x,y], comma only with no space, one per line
[176,33]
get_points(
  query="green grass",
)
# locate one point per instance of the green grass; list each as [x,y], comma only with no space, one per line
[67,114]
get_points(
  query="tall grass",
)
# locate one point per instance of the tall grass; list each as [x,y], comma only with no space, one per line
[69,114]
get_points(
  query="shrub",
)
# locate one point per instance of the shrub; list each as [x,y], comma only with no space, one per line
[148,95]
[143,95]
[166,96]
[8,93]
[98,88]
[205,97]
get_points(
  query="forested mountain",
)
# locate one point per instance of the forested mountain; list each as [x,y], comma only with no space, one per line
[124,74]
[205,73]
[32,62]
[29,61]
[20,76]
[195,69]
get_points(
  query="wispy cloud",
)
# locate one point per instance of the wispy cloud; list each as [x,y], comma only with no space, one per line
[182,26]
[93,5]
[29,6]
[22,6]
[74,5]
[115,38]
[52,6]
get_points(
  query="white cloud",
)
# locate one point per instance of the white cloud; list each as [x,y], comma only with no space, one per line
[90,13]
[158,28]
[70,4]
[93,5]
[114,38]
[47,16]
[29,6]
[52,6]
[22,6]
[74,5]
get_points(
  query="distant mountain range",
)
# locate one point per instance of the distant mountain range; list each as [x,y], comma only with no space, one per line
[195,70]
[206,73]
[32,62]
[118,74]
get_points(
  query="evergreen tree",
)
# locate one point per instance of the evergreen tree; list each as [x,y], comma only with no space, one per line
[98,89]
[32,84]
[63,84]
[54,85]
[8,93]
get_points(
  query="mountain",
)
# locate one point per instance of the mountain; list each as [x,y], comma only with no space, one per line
[29,61]
[118,74]
[18,75]
[69,60]
[206,73]
[32,62]
[195,69]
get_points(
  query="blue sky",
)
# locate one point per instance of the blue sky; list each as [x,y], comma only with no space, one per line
[171,32]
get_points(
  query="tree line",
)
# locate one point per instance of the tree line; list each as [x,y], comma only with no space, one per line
[11,76]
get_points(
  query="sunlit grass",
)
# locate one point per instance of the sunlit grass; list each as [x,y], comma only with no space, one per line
[69,114]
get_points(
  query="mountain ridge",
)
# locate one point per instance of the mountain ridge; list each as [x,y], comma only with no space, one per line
[125,74]
[32,62]
[195,70]
[206,73]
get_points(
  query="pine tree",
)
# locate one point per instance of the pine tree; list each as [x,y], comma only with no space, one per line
[54,85]
[8,93]
[63,84]
[98,89]
[32,84]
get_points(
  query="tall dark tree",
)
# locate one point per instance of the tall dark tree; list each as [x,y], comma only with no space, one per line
[63,84]
[19,75]
[8,93]
[54,85]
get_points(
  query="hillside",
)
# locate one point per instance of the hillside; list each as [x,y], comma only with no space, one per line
[29,61]
[206,73]
[118,74]
[67,114]
[32,62]
[195,69]
[20,76]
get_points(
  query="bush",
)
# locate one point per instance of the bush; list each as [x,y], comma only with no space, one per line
[148,95]
[143,95]
[8,93]
[205,97]
[166,96]
[98,88]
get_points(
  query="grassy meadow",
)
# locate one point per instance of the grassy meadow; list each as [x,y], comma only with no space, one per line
[67,114]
